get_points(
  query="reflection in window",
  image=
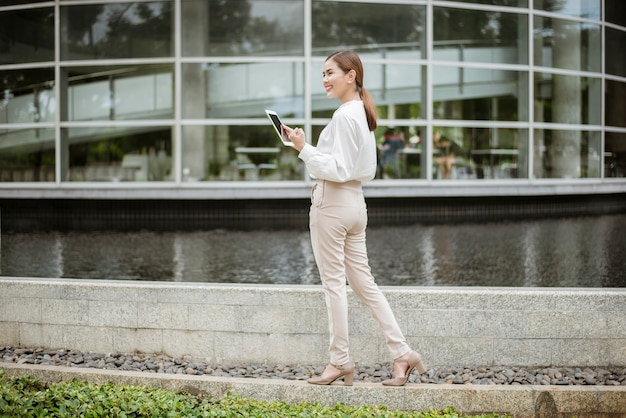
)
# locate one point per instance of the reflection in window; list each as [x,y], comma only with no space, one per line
[565,154]
[27,155]
[140,153]
[242,90]
[230,153]
[367,26]
[390,38]
[242,27]
[120,92]
[615,154]
[510,3]
[121,30]
[615,12]
[27,36]
[567,44]
[399,151]
[589,9]
[479,94]
[12,2]
[459,153]
[614,51]
[615,104]
[479,36]
[395,88]
[567,99]
[479,153]
[28,96]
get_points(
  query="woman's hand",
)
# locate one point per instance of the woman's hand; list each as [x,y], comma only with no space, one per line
[296,136]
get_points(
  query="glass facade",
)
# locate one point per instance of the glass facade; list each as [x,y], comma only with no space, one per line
[174,91]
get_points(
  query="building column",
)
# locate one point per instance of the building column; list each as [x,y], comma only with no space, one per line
[566,100]
[194,86]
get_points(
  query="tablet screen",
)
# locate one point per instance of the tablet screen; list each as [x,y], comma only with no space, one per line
[278,126]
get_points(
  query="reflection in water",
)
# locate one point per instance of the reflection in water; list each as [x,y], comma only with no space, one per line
[570,252]
[179,259]
[429,259]
[530,254]
[58,255]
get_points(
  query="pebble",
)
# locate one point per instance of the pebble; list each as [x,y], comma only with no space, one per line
[608,376]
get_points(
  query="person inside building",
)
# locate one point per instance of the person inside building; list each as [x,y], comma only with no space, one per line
[390,146]
[444,154]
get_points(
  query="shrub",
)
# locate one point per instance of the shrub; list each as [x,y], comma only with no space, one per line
[26,397]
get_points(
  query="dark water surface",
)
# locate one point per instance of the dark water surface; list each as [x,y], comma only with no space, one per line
[568,252]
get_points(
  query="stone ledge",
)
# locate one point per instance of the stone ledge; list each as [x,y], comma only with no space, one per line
[450,326]
[518,401]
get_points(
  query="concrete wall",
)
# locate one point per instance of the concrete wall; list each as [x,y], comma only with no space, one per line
[231,324]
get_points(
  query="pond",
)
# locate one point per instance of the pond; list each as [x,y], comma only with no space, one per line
[563,252]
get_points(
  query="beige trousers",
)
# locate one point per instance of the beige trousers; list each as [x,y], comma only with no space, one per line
[338,219]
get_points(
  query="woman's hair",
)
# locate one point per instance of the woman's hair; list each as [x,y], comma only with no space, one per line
[349,60]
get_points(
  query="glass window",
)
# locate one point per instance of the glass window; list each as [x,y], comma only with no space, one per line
[479,94]
[396,89]
[399,152]
[567,99]
[134,153]
[367,26]
[479,36]
[120,92]
[232,153]
[27,96]
[565,154]
[567,44]
[27,155]
[119,30]
[479,153]
[589,9]
[11,2]
[615,104]
[242,90]
[615,12]
[615,62]
[509,3]
[459,153]
[27,36]
[615,154]
[242,27]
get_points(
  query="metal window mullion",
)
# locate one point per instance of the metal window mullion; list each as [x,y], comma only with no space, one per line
[531,93]
[602,87]
[427,142]
[308,62]
[178,131]
[58,148]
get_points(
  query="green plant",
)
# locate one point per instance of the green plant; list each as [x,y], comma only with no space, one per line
[26,397]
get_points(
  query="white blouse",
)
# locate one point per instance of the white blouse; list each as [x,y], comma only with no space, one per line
[346,148]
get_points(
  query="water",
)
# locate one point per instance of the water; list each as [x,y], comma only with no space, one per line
[568,252]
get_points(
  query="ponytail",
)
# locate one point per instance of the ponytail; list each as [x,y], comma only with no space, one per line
[370,108]
[349,60]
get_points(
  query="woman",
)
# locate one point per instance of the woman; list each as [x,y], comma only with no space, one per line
[344,159]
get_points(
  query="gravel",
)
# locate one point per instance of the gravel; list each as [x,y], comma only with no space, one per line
[495,375]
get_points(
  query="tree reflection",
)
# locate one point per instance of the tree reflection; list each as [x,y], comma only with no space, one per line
[355,26]
[137,30]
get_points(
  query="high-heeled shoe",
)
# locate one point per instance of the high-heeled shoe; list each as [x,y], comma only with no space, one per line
[414,361]
[346,371]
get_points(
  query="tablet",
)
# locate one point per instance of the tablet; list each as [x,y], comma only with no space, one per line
[277,124]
